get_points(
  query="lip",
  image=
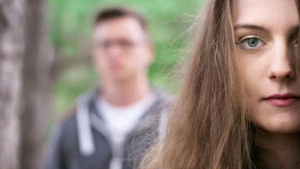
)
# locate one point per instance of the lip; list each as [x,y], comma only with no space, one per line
[282,100]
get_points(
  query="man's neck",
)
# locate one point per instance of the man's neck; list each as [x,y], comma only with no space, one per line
[278,151]
[125,93]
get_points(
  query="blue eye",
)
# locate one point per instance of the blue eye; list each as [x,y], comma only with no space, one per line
[251,42]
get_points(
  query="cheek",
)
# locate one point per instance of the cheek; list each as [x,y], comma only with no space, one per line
[298,62]
[97,61]
[141,58]
[250,72]
[100,62]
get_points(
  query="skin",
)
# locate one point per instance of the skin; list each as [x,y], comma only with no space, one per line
[122,54]
[266,41]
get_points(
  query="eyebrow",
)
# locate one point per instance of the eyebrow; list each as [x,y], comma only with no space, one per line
[247,26]
[295,30]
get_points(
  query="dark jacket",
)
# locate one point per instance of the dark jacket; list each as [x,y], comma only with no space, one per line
[82,140]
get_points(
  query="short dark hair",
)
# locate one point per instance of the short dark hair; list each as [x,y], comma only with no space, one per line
[110,13]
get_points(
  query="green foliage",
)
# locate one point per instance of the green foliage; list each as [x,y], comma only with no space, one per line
[70,23]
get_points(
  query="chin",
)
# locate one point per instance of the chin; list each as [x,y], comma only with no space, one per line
[284,125]
[276,120]
[120,76]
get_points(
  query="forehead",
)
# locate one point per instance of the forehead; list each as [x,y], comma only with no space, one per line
[270,13]
[126,27]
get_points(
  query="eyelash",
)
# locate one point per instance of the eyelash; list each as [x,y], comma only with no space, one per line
[296,41]
[244,39]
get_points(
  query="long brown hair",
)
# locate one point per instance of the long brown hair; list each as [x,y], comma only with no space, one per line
[207,126]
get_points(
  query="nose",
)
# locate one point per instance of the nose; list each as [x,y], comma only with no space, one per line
[114,51]
[282,67]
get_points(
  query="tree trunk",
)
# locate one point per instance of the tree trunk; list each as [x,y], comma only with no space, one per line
[11,53]
[38,60]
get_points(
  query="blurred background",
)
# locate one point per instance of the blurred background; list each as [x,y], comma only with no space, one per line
[45,64]
[70,30]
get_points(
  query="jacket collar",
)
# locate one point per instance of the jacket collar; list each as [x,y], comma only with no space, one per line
[88,116]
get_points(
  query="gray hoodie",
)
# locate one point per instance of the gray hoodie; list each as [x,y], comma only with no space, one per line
[82,141]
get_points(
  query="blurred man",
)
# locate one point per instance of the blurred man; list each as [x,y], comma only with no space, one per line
[115,123]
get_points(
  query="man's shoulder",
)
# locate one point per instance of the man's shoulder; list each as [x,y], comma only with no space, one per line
[164,98]
[67,124]
[68,121]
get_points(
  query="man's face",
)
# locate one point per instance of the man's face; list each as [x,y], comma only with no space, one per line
[121,49]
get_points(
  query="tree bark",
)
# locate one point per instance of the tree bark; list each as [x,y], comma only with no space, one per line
[11,53]
[38,60]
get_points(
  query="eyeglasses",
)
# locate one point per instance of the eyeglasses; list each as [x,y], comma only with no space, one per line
[123,44]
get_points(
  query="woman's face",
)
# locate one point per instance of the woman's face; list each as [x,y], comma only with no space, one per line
[266,33]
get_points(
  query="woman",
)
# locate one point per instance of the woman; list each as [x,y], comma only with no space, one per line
[239,106]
